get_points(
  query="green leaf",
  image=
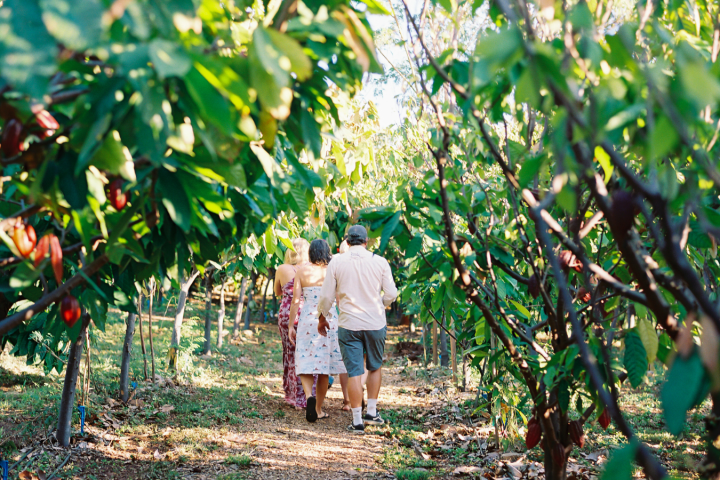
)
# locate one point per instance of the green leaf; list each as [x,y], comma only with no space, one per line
[620,465]
[635,358]
[212,105]
[175,199]
[292,58]
[678,394]
[27,51]
[663,138]
[168,58]
[604,160]
[649,338]
[414,247]
[388,230]
[77,25]
[529,169]
[521,310]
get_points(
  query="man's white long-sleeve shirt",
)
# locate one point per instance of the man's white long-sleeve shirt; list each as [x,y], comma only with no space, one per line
[363,285]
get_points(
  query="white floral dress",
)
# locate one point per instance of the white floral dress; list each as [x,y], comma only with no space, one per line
[315,354]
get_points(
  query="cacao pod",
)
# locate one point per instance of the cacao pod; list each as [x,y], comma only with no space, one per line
[534,286]
[577,435]
[12,138]
[70,310]
[558,454]
[56,258]
[118,198]
[42,249]
[534,433]
[604,419]
[24,238]
[583,295]
[622,213]
[45,120]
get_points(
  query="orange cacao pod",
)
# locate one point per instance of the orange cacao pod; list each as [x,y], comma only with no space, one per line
[577,435]
[56,257]
[45,120]
[42,249]
[24,238]
[584,295]
[534,433]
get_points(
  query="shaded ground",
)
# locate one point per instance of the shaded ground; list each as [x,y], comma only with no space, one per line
[225,418]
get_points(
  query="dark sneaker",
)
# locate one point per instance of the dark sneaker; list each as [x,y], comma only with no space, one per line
[356,428]
[310,412]
[373,419]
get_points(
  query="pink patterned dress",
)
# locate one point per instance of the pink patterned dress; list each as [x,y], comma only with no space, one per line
[294,394]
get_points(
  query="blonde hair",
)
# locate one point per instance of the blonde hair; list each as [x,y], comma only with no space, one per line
[300,255]
[344,247]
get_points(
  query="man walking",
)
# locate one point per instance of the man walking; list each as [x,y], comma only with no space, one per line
[363,285]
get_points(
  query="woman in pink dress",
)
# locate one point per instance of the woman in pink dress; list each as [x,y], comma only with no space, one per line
[284,282]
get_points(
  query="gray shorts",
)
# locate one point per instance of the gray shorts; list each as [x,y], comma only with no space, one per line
[354,343]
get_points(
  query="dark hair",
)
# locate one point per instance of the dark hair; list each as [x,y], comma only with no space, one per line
[352,241]
[319,252]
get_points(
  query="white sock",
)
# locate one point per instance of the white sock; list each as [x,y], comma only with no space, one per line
[372,406]
[357,416]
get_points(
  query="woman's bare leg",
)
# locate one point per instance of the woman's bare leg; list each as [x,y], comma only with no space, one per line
[321,391]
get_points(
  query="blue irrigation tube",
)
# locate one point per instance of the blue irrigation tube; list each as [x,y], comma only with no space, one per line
[82,420]
[5,469]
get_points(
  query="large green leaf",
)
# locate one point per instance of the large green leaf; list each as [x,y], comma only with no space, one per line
[679,392]
[620,465]
[168,58]
[75,24]
[388,230]
[175,199]
[636,362]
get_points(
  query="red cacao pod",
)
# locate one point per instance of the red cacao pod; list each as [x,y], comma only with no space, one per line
[558,454]
[25,239]
[622,213]
[583,295]
[12,138]
[70,310]
[56,258]
[42,249]
[45,120]
[577,435]
[604,419]
[118,198]
[534,286]
[534,433]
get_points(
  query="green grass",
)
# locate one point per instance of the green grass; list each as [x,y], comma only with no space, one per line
[239,460]
[412,474]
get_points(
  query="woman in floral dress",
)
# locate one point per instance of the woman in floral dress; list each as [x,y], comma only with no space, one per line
[315,355]
[284,281]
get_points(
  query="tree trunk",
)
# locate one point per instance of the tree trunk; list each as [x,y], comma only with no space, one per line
[142,336]
[150,335]
[238,312]
[67,402]
[453,359]
[434,343]
[444,359]
[710,467]
[185,285]
[208,305]
[552,470]
[253,279]
[126,354]
[466,372]
[221,314]
[264,300]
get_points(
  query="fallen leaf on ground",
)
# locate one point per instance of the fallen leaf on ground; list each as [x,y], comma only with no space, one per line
[167,408]
[466,469]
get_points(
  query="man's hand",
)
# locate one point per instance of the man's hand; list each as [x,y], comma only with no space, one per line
[323,325]
[291,334]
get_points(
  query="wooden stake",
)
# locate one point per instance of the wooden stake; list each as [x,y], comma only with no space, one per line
[142,335]
[453,360]
[150,312]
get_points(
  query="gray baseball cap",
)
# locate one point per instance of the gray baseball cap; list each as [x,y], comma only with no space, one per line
[357,232]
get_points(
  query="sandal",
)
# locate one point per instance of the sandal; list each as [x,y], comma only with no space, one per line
[323,416]
[310,413]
